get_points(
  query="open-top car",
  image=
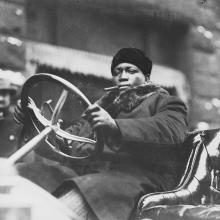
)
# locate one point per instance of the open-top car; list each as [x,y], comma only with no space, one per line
[55,130]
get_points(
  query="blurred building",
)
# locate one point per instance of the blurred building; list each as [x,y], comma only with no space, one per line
[79,37]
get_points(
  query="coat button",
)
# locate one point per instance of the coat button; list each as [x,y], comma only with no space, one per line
[11,137]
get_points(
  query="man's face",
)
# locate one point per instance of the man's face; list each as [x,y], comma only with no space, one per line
[5,99]
[127,73]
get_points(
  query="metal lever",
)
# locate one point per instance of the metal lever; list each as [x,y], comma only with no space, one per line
[214,188]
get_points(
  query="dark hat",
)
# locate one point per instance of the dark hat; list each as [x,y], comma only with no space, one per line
[134,56]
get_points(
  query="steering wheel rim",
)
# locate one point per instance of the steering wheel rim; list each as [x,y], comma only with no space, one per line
[36,117]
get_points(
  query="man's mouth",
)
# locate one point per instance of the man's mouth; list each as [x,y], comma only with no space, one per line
[123,86]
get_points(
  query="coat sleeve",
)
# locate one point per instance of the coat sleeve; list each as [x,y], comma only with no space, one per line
[167,126]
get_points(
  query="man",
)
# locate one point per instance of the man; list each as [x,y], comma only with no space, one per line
[9,129]
[143,128]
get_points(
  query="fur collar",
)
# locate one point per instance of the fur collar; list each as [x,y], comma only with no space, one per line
[115,102]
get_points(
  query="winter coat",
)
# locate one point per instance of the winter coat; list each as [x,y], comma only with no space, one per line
[9,134]
[146,159]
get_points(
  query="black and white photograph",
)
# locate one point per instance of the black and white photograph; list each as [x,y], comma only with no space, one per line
[109,109]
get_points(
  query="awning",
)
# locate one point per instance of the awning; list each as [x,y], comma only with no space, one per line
[97,65]
[70,59]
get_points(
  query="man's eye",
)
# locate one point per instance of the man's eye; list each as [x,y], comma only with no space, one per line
[132,71]
[116,73]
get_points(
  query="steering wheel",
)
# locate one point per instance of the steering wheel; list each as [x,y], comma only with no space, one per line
[72,136]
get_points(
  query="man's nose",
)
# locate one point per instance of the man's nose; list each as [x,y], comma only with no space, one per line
[123,76]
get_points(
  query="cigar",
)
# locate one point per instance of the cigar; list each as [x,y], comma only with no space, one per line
[115,87]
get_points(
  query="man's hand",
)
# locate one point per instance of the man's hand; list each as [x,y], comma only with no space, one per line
[99,118]
[19,116]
